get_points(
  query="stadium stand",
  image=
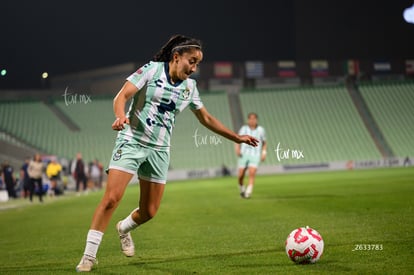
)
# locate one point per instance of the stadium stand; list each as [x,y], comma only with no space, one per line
[323,122]
[206,149]
[320,121]
[391,104]
[34,123]
[95,138]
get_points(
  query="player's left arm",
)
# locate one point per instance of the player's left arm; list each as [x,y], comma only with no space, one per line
[216,126]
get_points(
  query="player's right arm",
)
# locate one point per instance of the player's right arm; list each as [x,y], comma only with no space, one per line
[127,91]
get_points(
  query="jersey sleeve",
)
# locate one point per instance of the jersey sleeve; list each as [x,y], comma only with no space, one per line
[142,75]
[196,103]
[242,131]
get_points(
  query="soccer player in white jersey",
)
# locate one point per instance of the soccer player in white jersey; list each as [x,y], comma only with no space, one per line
[159,91]
[250,157]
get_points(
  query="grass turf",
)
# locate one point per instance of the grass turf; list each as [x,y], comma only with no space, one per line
[204,227]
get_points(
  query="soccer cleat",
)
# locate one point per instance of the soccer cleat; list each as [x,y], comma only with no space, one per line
[246,196]
[127,244]
[86,264]
[242,194]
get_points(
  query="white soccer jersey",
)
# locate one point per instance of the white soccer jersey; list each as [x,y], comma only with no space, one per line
[259,133]
[153,108]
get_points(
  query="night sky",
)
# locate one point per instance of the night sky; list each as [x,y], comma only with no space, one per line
[69,36]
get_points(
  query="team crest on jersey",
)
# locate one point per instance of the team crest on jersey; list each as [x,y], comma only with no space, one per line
[117,155]
[186,93]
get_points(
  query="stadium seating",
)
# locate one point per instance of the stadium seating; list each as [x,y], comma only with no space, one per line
[392,105]
[34,123]
[95,139]
[320,121]
[206,149]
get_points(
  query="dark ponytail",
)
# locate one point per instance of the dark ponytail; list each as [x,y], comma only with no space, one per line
[177,43]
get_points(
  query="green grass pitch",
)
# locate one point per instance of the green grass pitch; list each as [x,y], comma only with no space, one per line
[204,227]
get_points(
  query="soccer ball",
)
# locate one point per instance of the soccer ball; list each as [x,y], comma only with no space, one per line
[304,245]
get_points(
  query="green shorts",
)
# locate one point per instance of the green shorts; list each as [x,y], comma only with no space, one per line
[131,157]
[248,161]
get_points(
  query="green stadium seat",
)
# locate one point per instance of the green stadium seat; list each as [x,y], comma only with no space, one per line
[321,121]
[391,105]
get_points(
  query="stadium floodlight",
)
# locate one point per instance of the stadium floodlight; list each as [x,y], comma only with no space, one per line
[3,72]
[408,14]
[45,75]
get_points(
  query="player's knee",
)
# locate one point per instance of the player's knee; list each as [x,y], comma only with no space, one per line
[110,202]
[148,213]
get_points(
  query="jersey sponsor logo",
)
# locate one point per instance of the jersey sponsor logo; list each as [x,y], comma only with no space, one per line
[151,122]
[166,106]
[176,92]
[158,83]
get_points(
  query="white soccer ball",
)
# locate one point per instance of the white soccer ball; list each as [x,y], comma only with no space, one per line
[304,245]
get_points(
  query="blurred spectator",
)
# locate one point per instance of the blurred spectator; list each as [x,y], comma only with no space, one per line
[407,161]
[79,172]
[1,179]
[225,170]
[95,172]
[53,170]
[65,166]
[9,179]
[24,178]
[35,171]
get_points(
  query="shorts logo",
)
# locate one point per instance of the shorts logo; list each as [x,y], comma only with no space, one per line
[117,155]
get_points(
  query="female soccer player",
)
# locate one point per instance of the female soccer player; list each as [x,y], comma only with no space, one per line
[249,157]
[159,90]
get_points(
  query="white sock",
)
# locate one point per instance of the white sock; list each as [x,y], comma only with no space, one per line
[249,190]
[128,224]
[242,188]
[93,241]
